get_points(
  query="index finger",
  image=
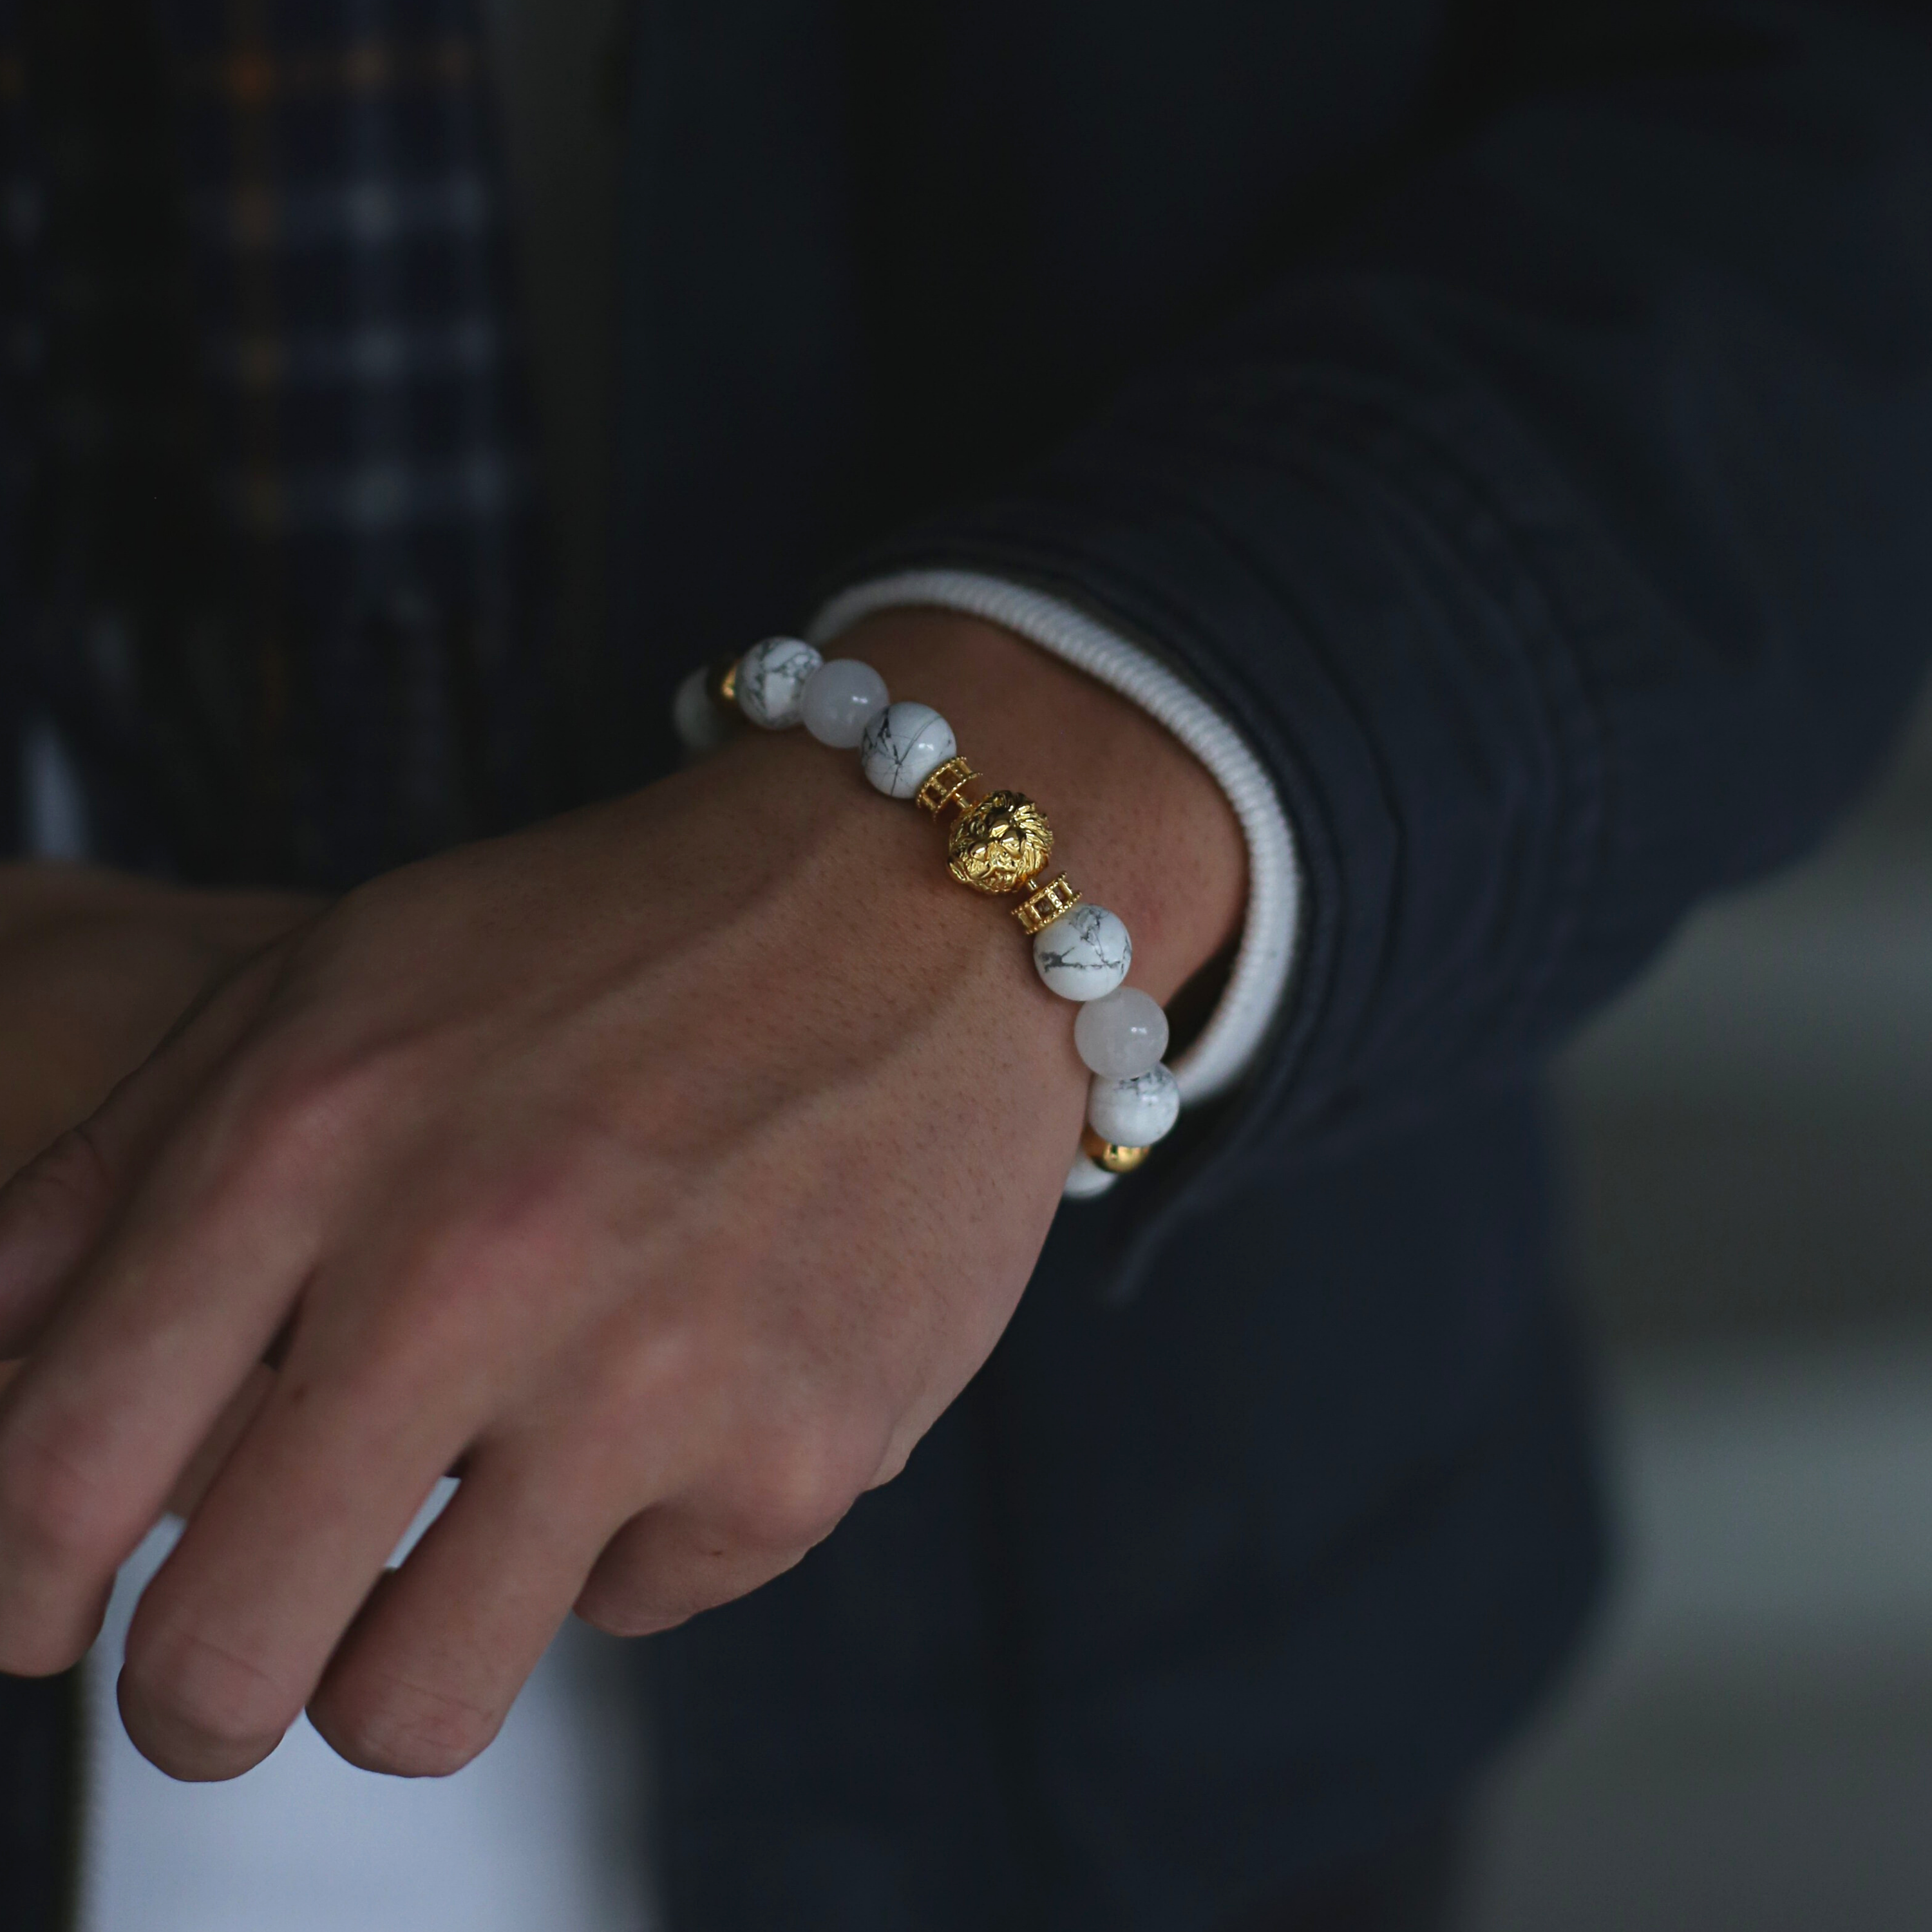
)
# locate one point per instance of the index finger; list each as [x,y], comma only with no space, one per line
[55,1210]
[152,1341]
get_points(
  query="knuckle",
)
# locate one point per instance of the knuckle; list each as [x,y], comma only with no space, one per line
[201,1702]
[634,1599]
[73,1179]
[302,1102]
[44,1652]
[789,1491]
[619,1610]
[403,1728]
[523,1226]
[892,1465]
[53,1507]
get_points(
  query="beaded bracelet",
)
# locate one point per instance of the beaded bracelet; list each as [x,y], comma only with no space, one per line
[997,844]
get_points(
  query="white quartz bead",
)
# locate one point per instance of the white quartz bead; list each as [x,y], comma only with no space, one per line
[700,726]
[1134,1113]
[1122,1035]
[1087,1179]
[842,698]
[1085,954]
[904,746]
[772,678]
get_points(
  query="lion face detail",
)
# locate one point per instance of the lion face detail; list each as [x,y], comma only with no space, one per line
[1000,843]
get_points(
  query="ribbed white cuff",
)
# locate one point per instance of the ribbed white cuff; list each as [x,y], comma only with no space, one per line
[1227,1046]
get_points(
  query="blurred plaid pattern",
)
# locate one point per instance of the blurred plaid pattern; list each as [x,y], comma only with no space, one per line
[273,514]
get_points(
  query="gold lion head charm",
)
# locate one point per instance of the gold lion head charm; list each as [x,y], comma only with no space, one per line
[1000,843]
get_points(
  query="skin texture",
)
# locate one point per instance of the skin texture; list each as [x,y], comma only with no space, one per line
[95,968]
[667,1168]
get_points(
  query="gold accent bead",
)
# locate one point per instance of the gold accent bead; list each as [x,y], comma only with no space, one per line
[1109,1154]
[722,685]
[944,787]
[1000,843]
[1044,904]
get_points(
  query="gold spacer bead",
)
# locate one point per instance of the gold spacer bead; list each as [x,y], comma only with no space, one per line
[944,787]
[1115,1159]
[1044,904]
[722,685]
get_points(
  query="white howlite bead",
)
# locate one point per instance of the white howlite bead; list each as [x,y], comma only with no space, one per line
[842,698]
[1134,1113]
[700,726]
[904,746]
[1121,1036]
[1085,954]
[772,678]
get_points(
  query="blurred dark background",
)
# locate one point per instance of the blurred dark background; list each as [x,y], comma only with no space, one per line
[1749,1138]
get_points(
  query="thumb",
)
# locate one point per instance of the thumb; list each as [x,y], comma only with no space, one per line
[55,1210]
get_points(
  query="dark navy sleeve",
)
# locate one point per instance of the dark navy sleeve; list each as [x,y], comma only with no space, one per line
[1562,536]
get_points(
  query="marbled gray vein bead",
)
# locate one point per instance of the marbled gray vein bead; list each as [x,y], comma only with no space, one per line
[844,697]
[1122,1035]
[1134,1113]
[904,746]
[772,678]
[1085,954]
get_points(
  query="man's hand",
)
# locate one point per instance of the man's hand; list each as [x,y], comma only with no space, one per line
[95,967]
[669,1168]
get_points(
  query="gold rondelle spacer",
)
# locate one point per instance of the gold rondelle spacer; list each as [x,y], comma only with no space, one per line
[1044,904]
[944,787]
[723,686]
[1115,1159]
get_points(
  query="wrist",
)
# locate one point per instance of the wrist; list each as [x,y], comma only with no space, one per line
[845,885]
[1148,831]
[1121,801]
